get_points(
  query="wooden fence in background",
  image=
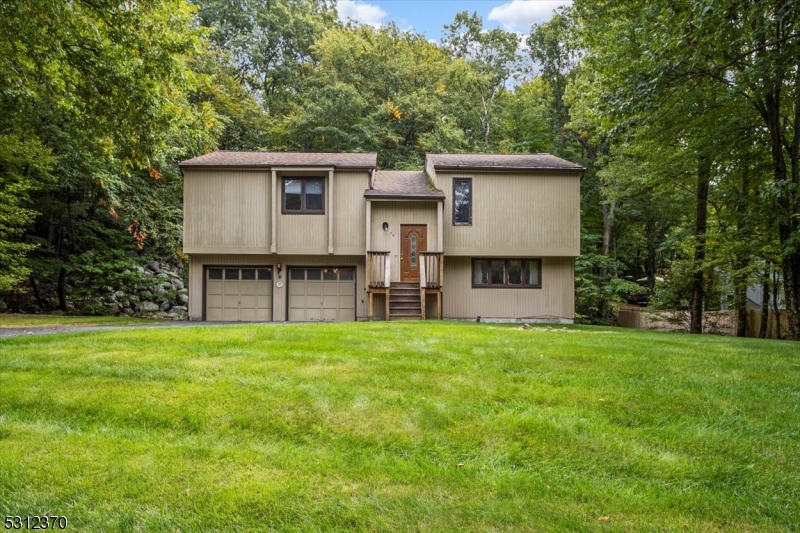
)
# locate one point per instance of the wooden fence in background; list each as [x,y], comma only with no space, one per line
[718,322]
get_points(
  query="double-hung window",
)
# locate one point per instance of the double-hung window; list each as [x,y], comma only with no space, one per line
[304,195]
[462,201]
[507,273]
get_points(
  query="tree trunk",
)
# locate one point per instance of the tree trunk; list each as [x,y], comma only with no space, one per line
[62,289]
[36,293]
[742,260]
[775,308]
[609,212]
[650,260]
[787,204]
[762,332]
[701,214]
[740,304]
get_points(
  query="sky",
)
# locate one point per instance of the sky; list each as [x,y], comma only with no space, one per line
[429,16]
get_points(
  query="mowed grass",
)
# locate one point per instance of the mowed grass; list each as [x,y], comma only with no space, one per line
[49,321]
[401,427]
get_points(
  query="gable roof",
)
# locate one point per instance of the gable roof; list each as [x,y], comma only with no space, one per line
[403,184]
[225,158]
[501,162]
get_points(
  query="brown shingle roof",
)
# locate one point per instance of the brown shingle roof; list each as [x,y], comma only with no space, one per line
[405,184]
[282,159]
[501,161]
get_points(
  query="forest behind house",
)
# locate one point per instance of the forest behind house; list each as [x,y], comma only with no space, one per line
[686,116]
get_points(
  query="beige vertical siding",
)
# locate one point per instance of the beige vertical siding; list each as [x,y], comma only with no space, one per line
[349,212]
[226,209]
[198,261]
[556,298]
[229,211]
[515,214]
[397,213]
[308,234]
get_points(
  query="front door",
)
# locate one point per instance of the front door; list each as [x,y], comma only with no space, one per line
[413,240]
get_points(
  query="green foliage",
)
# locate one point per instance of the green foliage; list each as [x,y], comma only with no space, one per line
[598,282]
[25,166]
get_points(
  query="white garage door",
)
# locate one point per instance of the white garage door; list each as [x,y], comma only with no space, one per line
[239,293]
[322,293]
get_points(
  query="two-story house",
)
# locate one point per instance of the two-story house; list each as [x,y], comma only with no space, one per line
[328,236]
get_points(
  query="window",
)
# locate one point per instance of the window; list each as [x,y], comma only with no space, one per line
[507,273]
[462,201]
[303,195]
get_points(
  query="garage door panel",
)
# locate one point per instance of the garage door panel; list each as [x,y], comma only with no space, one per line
[313,288]
[239,293]
[322,294]
[264,289]
[214,287]
[347,288]
[230,315]
[330,288]
[247,287]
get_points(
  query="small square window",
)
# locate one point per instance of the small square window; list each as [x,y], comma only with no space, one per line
[330,274]
[248,274]
[264,274]
[303,196]
[347,274]
[314,274]
[297,273]
[231,273]
[214,273]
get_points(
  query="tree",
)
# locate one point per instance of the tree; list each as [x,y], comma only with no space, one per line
[492,54]
[270,42]
[748,51]
[96,108]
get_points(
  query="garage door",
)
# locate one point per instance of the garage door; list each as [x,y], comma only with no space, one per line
[322,293]
[239,293]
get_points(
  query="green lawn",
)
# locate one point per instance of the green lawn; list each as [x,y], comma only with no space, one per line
[50,321]
[401,427]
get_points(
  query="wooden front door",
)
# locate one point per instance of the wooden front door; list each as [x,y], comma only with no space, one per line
[413,240]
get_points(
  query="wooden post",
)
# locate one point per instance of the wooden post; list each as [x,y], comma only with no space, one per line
[441,271]
[371,312]
[387,304]
[369,270]
[439,304]
[422,302]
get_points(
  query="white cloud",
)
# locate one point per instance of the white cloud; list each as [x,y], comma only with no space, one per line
[360,12]
[520,14]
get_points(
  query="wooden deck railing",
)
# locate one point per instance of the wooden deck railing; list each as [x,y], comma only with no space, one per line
[434,269]
[379,273]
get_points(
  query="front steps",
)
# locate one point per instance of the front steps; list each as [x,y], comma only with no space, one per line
[404,302]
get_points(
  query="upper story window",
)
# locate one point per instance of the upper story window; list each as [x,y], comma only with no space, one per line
[507,273]
[303,195]
[462,201]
